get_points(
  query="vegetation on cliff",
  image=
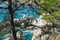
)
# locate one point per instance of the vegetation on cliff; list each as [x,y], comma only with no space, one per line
[52,8]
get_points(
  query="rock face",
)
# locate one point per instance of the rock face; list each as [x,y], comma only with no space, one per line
[45,37]
[30,21]
[36,34]
[4,5]
[40,29]
[39,23]
[36,31]
[8,37]
[18,35]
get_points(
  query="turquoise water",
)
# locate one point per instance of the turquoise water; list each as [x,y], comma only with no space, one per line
[3,14]
[27,35]
[18,14]
[27,11]
[4,33]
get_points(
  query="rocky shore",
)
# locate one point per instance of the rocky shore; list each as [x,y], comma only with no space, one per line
[40,29]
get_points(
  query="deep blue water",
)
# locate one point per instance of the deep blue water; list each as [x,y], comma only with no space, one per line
[18,14]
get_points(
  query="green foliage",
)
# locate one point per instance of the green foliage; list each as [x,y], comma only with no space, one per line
[52,7]
[54,16]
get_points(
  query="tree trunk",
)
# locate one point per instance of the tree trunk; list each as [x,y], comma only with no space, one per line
[12,22]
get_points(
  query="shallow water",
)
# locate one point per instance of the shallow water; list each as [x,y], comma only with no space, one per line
[22,11]
[27,34]
[3,14]
[27,11]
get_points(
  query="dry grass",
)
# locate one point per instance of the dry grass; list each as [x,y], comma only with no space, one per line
[54,37]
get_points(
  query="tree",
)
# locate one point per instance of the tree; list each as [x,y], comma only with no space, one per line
[11,12]
[12,22]
[49,6]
